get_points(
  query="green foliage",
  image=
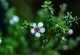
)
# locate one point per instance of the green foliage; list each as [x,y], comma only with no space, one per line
[20,40]
[10,12]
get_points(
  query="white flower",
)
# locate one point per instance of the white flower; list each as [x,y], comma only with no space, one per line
[70,32]
[11,21]
[63,38]
[14,19]
[0,40]
[37,29]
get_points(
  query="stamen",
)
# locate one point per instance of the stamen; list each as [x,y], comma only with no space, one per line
[37,29]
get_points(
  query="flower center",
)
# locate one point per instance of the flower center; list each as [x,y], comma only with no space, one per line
[37,29]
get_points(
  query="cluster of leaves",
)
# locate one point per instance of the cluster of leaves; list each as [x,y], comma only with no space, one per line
[21,41]
[57,27]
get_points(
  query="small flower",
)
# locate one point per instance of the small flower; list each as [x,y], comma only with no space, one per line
[70,32]
[0,40]
[14,19]
[11,21]
[63,38]
[37,29]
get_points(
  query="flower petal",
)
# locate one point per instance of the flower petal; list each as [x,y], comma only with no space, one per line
[70,32]
[40,24]
[37,34]
[11,21]
[15,18]
[32,31]
[0,41]
[42,30]
[34,24]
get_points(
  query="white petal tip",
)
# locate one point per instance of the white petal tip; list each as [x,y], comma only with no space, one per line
[42,30]
[32,31]
[34,24]
[40,24]
[37,35]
